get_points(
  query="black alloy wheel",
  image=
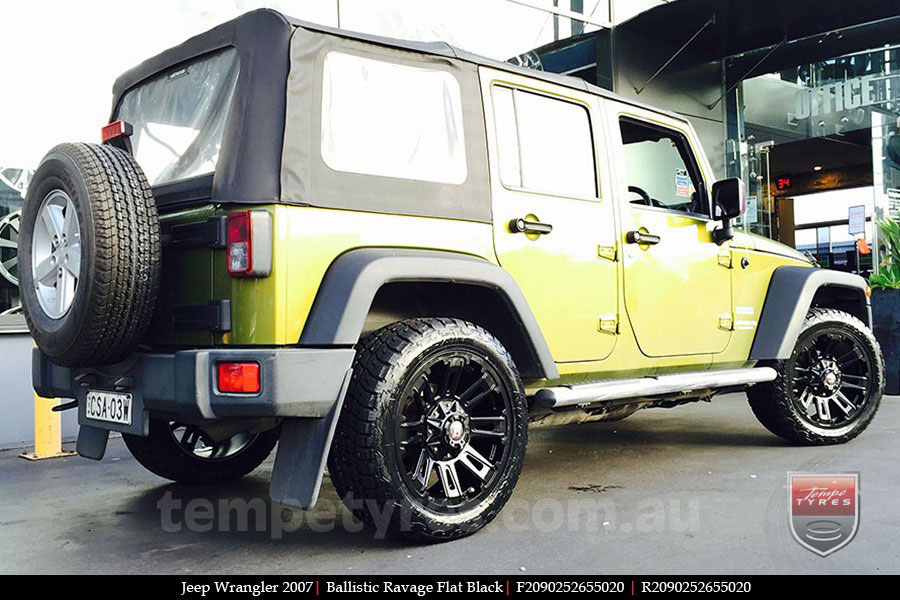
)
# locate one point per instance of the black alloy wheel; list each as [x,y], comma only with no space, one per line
[187,454]
[830,388]
[833,378]
[433,430]
[454,431]
[193,441]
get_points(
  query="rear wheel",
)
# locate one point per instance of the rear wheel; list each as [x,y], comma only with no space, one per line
[186,454]
[433,431]
[830,388]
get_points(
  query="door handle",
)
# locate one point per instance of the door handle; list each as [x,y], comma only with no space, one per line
[523,226]
[642,238]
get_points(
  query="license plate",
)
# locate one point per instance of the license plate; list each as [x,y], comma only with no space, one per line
[108,406]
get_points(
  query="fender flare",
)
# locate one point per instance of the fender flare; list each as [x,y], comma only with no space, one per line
[789,298]
[345,295]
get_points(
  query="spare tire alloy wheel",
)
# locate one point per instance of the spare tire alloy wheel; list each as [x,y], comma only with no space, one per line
[56,254]
[88,255]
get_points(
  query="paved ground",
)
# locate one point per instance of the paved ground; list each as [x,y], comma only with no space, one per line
[698,489]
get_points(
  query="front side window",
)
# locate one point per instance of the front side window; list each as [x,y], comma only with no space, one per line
[661,170]
[179,117]
[392,120]
[544,144]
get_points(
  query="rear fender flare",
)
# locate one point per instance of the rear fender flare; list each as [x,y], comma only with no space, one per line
[349,286]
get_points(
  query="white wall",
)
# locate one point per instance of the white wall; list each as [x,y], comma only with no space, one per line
[59,58]
[16,400]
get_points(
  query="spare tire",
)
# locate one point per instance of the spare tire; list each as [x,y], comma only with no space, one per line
[89,255]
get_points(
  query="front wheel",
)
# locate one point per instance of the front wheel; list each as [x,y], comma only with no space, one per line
[432,434]
[829,390]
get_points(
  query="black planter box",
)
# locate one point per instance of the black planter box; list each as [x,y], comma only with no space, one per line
[886,320]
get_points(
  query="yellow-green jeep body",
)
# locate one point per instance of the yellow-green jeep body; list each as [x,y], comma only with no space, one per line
[607,297]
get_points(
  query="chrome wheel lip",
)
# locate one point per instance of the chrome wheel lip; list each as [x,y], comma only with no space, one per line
[56,254]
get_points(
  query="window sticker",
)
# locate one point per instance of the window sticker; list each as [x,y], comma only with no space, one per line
[682,183]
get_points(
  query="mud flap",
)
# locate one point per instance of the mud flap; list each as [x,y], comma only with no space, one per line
[302,454]
[92,442]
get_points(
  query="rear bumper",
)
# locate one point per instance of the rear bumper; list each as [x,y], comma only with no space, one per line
[295,382]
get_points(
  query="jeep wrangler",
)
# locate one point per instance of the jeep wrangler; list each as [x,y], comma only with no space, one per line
[391,258]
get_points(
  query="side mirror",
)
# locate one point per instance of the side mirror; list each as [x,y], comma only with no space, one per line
[729,196]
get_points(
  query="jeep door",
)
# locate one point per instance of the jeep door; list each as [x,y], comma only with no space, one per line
[554,230]
[677,283]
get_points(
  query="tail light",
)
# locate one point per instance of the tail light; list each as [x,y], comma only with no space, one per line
[239,378]
[249,242]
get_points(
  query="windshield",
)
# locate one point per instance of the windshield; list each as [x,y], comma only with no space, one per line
[179,117]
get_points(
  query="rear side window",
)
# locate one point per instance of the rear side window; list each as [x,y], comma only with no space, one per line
[544,145]
[179,117]
[391,120]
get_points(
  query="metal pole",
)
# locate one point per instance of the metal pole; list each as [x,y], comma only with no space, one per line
[47,431]
[641,88]
[562,12]
[555,22]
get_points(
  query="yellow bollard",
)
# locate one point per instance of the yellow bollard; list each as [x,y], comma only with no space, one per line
[47,431]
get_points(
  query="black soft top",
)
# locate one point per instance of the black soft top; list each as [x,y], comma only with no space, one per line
[265,33]
[249,164]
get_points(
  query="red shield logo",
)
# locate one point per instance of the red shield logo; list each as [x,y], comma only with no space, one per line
[824,510]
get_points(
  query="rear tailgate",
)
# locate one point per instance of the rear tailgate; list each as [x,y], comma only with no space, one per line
[200,305]
[187,283]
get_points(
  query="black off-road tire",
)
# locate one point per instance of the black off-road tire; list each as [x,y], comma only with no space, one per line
[161,454]
[363,464]
[774,405]
[118,280]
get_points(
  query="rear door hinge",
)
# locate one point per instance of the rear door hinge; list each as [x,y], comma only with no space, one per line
[607,252]
[726,322]
[609,323]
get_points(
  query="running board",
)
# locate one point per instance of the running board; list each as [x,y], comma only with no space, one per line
[620,389]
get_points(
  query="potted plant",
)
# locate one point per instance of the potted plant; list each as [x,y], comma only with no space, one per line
[885,284]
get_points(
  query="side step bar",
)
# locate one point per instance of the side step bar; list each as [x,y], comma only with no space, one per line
[621,389]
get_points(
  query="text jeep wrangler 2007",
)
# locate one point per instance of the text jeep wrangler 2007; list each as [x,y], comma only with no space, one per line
[392,258]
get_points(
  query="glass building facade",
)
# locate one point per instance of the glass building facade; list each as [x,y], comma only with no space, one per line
[814,140]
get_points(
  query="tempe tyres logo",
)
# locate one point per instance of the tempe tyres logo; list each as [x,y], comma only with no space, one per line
[824,510]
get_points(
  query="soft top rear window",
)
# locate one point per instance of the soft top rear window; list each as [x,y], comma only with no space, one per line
[179,117]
